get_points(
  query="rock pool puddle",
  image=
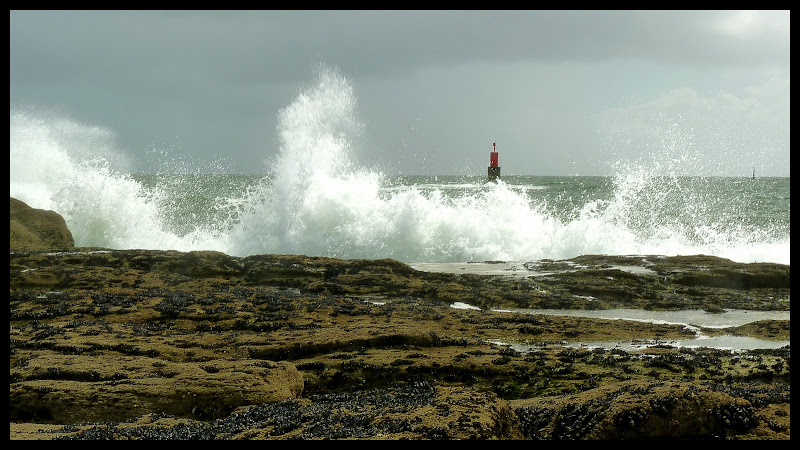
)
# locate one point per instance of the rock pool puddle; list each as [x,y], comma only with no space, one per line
[692,319]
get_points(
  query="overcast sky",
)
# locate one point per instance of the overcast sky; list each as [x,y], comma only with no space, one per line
[560,92]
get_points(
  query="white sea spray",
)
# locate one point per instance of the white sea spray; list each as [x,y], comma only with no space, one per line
[314,199]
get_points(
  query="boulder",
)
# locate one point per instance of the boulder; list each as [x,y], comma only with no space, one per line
[37,229]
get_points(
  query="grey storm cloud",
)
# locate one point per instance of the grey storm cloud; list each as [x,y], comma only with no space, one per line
[427,82]
[244,44]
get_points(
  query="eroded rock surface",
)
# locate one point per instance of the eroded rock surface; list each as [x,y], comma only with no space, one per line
[160,344]
[65,388]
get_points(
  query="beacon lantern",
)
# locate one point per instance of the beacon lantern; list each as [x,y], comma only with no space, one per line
[494,165]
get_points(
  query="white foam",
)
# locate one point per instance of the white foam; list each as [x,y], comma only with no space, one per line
[314,201]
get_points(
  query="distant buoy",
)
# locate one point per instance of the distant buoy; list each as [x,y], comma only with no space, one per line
[494,165]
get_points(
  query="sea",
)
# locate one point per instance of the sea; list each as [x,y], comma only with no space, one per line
[413,219]
[310,199]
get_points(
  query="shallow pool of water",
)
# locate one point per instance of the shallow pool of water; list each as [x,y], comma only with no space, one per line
[693,319]
[687,317]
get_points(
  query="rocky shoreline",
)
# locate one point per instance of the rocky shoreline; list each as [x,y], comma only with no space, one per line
[135,344]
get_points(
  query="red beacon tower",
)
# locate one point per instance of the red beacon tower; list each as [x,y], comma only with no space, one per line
[494,167]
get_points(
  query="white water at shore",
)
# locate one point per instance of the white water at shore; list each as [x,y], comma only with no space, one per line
[313,201]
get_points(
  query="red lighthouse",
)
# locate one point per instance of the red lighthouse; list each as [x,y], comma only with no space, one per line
[494,165]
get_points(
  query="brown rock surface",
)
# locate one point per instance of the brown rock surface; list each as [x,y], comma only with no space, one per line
[37,229]
[131,344]
[65,388]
